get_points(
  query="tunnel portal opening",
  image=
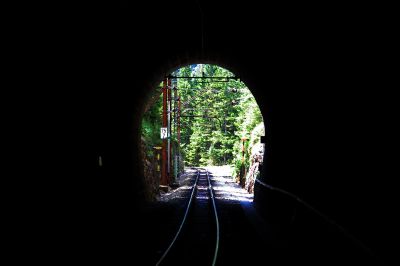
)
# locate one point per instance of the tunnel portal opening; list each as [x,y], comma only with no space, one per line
[201,115]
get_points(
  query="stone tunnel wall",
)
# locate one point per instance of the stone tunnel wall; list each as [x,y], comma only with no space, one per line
[328,122]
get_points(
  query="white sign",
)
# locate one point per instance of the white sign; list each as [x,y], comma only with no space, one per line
[164,133]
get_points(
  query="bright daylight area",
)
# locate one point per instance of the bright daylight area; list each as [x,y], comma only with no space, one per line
[208,118]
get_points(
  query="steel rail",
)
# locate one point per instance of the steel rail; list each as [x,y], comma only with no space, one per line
[183,221]
[185,216]
[216,220]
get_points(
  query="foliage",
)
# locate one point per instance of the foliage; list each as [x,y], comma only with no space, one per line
[151,124]
[214,118]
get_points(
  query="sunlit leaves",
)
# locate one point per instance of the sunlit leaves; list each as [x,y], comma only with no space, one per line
[219,114]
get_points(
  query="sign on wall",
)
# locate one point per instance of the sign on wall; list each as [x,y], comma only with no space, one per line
[164,133]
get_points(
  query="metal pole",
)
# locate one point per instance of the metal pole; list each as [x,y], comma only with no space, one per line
[243,166]
[164,141]
[169,132]
[175,132]
[242,179]
[179,120]
[245,171]
[179,126]
[224,137]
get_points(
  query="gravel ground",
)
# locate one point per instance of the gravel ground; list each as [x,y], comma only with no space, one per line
[185,181]
[233,205]
[224,186]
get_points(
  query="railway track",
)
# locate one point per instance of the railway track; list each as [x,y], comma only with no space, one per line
[196,242]
[246,239]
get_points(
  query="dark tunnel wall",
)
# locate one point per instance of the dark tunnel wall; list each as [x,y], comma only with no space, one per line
[315,76]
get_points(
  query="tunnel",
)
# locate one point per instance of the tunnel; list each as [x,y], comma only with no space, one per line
[310,73]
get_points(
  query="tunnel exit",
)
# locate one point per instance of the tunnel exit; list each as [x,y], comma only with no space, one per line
[201,116]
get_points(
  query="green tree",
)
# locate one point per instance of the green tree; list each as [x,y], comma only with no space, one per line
[214,117]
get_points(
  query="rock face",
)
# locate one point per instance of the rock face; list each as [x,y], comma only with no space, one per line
[257,154]
[151,175]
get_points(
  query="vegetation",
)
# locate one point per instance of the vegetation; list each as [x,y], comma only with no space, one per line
[214,118]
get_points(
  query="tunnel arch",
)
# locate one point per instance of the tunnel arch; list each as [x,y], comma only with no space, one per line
[169,67]
[339,144]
